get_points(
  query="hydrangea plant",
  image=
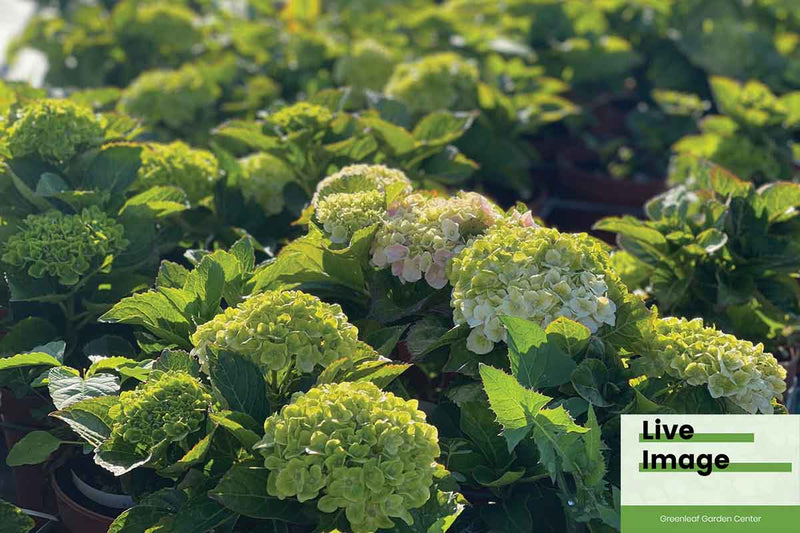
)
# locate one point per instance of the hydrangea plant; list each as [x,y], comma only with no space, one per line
[368,65]
[421,234]
[538,274]
[734,369]
[263,178]
[354,198]
[177,164]
[62,246]
[437,81]
[281,330]
[170,97]
[299,117]
[53,130]
[163,30]
[169,407]
[354,447]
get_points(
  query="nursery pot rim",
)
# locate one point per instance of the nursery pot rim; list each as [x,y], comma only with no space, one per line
[64,499]
[107,499]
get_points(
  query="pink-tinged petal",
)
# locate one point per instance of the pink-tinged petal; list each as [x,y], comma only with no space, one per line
[396,252]
[411,272]
[442,256]
[526,220]
[397,269]
[436,277]
[379,258]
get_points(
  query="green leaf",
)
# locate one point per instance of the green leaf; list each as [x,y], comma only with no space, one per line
[32,449]
[138,519]
[25,334]
[158,201]
[589,380]
[514,405]
[479,424]
[23,360]
[436,516]
[781,200]
[171,275]
[240,382]
[385,339]
[109,346]
[243,490]
[594,454]
[66,388]
[177,360]
[487,478]
[711,240]
[535,361]
[397,140]
[200,514]
[205,285]
[51,185]
[114,168]
[240,425]
[89,418]
[570,336]
[635,229]
[154,311]
[442,127]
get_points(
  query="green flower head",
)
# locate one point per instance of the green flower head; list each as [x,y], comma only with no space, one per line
[435,82]
[421,234]
[736,370]
[179,165]
[301,116]
[281,330]
[64,246]
[355,198]
[169,407]
[54,130]
[171,97]
[354,447]
[168,29]
[368,65]
[538,274]
[264,177]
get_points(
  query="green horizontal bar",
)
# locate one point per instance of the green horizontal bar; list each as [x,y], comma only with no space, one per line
[705,437]
[732,467]
[710,519]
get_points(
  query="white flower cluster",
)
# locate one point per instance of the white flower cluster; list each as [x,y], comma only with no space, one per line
[422,233]
[355,198]
[534,273]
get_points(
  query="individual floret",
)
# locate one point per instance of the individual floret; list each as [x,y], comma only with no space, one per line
[301,116]
[355,198]
[435,82]
[54,130]
[356,448]
[421,234]
[368,65]
[734,369]
[179,165]
[62,246]
[263,179]
[538,274]
[167,408]
[285,331]
[171,97]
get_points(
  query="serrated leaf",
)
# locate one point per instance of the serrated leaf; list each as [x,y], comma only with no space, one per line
[514,405]
[240,425]
[89,418]
[114,168]
[153,311]
[570,336]
[535,361]
[589,380]
[436,516]
[34,448]
[23,360]
[67,389]
[158,201]
[240,382]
